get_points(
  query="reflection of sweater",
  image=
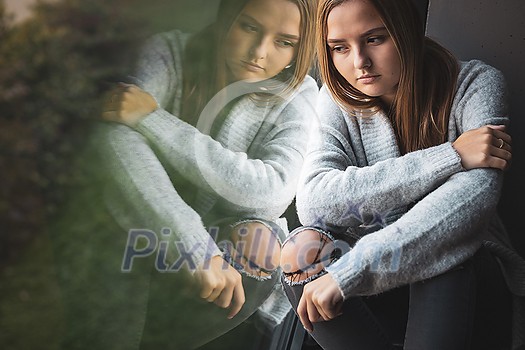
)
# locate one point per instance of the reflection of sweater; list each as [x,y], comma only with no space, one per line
[428,214]
[250,169]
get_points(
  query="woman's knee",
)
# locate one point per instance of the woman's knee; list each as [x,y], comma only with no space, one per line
[306,253]
[256,247]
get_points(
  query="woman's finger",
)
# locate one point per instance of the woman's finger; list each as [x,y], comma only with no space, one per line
[501,144]
[504,152]
[314,314]
[237,301]
[497,159]
[502,136]
[319,313]
[125,86]
[500,158]
[224,299]
[110,115]
[302,313]
[215,293]
[333,311]
[206,291]
[209,286]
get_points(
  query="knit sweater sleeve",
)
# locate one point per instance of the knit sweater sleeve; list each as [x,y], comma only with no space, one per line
[141,196]
[338,187]
[265,180]
[448,225]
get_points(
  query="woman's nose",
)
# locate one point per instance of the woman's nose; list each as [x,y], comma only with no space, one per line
[259,49]
[361,59]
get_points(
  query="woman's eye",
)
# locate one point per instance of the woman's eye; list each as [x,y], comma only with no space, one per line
[338,49]
[285,43]
[249,27]
[375,40]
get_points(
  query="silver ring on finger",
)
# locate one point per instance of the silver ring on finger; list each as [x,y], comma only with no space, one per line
[501,143]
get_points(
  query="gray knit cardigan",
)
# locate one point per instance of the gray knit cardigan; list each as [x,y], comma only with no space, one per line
[419,214]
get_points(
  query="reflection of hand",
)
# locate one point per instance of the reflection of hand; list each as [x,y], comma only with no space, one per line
[321,301]
[221,284]
[128,104]
[485,147]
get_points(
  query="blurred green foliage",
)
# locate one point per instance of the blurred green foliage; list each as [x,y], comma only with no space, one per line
[55,68]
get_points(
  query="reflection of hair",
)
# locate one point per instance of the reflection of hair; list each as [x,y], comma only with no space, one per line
[204,64]
[427,83]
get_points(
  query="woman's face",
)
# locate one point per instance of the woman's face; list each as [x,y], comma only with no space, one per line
[362,50]
[263,40]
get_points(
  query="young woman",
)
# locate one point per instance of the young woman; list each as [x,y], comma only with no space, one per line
[210,138]
[399,190]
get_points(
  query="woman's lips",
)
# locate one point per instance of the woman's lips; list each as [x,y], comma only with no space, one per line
[252,67]
[368,79]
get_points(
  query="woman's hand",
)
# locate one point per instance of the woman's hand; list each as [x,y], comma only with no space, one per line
[321,301]
[128,104]
[486,147]
[221,284]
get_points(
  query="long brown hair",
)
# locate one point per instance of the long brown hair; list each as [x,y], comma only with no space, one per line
[421,107]
[204,64]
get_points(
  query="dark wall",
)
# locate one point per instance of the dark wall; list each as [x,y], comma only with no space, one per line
[422,7]
[493,31]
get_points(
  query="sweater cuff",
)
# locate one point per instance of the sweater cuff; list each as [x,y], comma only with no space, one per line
[346,277]
[157,123]
[194,253]
[201,260]
[445,159]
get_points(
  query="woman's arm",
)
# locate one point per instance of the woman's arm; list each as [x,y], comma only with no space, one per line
[339,188]
[442,230]
[157,81]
